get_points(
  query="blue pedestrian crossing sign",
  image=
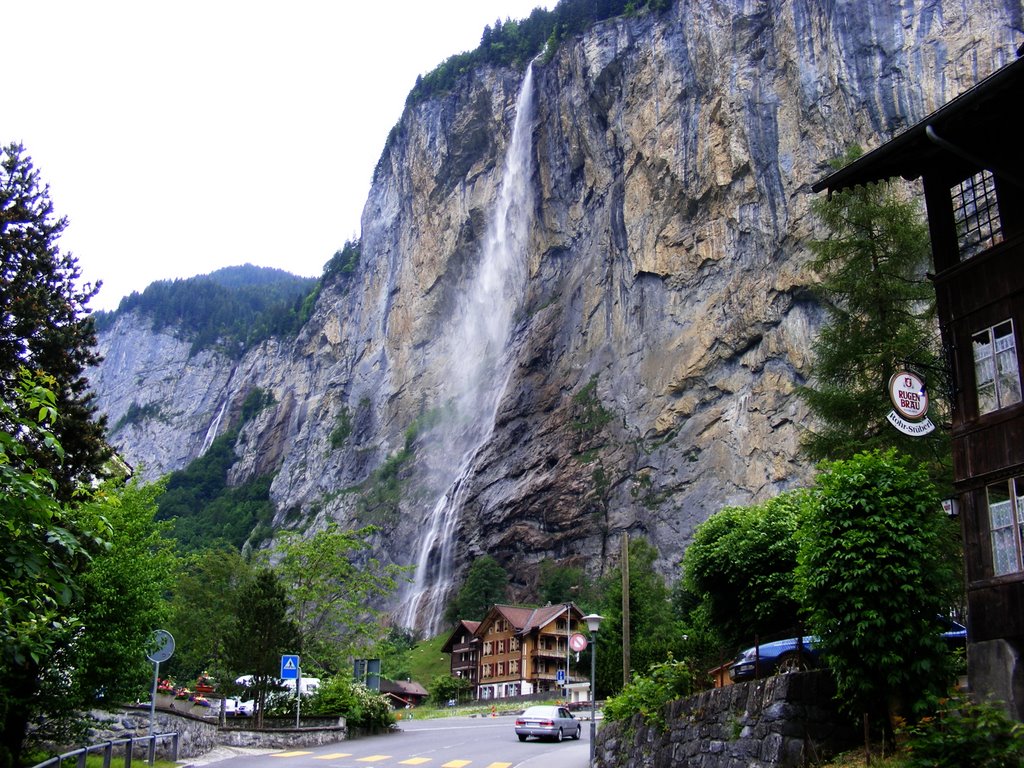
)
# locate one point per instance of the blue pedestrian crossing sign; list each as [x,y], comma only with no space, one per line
[289,667]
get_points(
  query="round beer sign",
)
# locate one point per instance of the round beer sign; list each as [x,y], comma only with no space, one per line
[908,395]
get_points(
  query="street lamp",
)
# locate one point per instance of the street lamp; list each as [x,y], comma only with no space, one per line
[593,622]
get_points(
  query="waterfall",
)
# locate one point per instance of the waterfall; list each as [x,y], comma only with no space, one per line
[211,433]
[479,364]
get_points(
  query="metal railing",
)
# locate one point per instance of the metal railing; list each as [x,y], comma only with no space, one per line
[107,748]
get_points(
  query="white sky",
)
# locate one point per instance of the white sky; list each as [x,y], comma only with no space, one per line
[181,137]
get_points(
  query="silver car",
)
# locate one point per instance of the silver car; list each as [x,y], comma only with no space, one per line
[547,723]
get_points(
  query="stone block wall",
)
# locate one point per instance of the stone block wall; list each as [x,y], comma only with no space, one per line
[787,721]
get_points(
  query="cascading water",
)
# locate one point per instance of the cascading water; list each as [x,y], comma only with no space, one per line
[479,364]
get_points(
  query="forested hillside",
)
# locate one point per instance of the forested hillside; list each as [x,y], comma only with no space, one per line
[232,308]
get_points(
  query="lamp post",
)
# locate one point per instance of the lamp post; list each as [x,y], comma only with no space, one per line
[593,622]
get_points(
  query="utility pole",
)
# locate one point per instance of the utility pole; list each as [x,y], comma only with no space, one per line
[625,608]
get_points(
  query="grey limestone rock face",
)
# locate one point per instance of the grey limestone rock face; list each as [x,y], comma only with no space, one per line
[667,318]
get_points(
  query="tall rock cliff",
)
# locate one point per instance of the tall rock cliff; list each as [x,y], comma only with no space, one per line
[661,320]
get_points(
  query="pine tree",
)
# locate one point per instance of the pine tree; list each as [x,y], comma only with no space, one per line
[43,322]
[880,318]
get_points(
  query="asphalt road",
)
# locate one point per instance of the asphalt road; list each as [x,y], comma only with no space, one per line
[457,742]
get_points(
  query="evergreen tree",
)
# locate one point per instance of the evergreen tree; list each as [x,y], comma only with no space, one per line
[486,584]
[43,322]
[880,318]
[260,634]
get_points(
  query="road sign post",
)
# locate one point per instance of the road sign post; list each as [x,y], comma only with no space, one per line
[290,670]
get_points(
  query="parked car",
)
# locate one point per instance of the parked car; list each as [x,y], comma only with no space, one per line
[235,707]
[796,654]
[547,722]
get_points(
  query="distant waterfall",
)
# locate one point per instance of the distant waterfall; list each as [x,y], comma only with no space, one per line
[211,433]
[479,364]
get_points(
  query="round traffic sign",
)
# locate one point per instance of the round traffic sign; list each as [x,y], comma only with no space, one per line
[161,647]
[577,642]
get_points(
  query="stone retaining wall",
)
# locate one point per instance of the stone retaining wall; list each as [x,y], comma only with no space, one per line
[787,721]
[198,735]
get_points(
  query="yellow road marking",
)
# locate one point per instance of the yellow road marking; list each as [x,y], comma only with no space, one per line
[500,765]
[372,758]
[333,756]
[456,763]
[415,761]
[294,753]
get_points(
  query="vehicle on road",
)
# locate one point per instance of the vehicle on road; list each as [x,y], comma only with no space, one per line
[547,722]
[798,654]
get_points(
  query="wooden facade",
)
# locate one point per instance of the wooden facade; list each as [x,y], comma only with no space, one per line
[969,158]
[463,647]
[520,650]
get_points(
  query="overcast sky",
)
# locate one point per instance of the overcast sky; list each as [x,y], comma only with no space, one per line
[181,137]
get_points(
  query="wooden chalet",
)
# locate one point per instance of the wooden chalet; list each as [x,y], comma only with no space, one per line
[968,155]
[463,647]
[520,651]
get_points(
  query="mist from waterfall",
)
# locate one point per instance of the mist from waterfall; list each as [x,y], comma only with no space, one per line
[478,367]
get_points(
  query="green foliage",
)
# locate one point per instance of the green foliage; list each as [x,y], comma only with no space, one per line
[445,688]
[137,414]
[741,566]
[965,733]
[256,400]
[880,308]
[876,566]
[231,309]
[123,594]
[45,327]
[382,491]
[342,428]
[205,510]
[589,416]
[43,553]
[207,588]
[647,695]
[259,634]
[361,707]
[655,630]
[563,584]
[343,263]
[331,581]
[486,584]
[514,43]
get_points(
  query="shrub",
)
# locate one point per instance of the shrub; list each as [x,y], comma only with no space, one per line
[965,733]
[360,706]
[647,695]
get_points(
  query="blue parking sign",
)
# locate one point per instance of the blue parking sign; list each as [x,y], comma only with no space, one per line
[289,667]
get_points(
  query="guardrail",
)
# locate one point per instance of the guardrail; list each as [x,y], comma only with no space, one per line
[107,748]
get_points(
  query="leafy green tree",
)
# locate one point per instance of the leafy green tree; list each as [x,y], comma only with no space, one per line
[486,584]
[332,582]
[361,707]
[43,555]
[43,323]
[655,630]
[259,635]
[207,589]
[876,566]
[741,566]
[646,695]
[880,316]
[563,584]
[445,688]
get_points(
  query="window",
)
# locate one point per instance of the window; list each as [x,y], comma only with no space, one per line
[996,373]
[513,667]
[501,646]
[486,672]
[976,213]
[487,648]
[1006,521]
[513,644]
[501,669]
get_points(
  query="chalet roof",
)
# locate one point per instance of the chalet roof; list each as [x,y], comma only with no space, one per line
[526,619]
[463,627]
[403,687]
[978,129]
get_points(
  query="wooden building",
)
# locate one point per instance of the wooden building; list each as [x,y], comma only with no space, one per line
[519,650]
[968,156]
[463,647]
